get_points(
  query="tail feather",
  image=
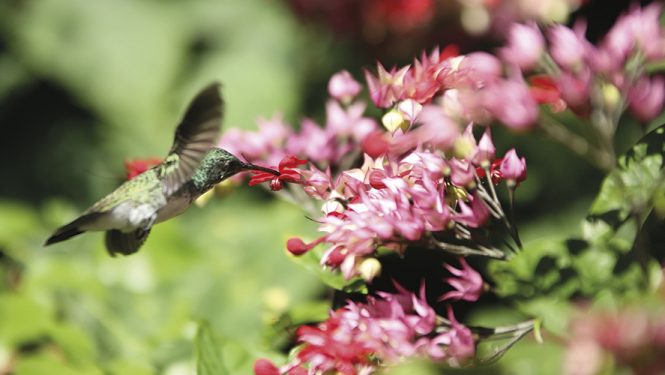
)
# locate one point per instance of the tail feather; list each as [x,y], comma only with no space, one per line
[70,230]
[125,243]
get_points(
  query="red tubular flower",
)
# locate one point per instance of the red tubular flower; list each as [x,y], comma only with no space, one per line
[286,174]
[264,366]
[135,167]
[545,91]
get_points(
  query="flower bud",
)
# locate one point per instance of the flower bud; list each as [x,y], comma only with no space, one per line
[343,87]
[513,168]
[485,152]
[525,45]
[611,96]
[264,366]
[369,269]
[393,120]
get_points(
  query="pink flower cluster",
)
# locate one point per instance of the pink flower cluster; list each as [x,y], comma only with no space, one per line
[468,88]
[393,202]
[345,127]
[567,72]
[419,180]
[581,70]
[385,329]
[634,338]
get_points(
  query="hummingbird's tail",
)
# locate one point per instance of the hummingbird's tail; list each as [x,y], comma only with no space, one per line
[70,230]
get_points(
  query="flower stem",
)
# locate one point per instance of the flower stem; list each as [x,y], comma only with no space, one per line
[576,143]
[462,250]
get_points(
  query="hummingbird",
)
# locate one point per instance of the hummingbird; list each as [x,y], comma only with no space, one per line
[193,166]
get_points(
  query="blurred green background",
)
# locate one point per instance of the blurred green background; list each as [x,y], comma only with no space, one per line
[85,85]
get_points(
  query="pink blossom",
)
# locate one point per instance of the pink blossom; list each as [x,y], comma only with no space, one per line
[376,144]
[343,87]
[639,30]
[478,69]
[386,329]
[474,215]
[459,339]
[568,47]
[387,88]
[485,151]
[349,121]
[512,167]
[462,173]
[575,89]
[647,97]
[511,103]
[467,282]
[525,46]
[436,129]
[264,366]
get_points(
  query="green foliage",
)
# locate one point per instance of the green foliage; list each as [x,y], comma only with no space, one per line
[543,277]
[208,358]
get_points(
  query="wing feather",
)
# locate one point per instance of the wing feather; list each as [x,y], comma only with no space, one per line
[196,134]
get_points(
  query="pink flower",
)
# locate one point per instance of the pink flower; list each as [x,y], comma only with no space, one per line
[575,90]
[467,282]
[478,69]
[511,103]
[485,151]
[343,87]
[376,144]
[387,88]
[513,168]
[647,97]
[459,339]
[386,329]
[349,121]
[473,215]
[436,129]
[638,30]
[568,47]
[264,366]
[525,46]
[462,173]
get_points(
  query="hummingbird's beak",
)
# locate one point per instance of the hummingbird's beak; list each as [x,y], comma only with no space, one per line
[253,167]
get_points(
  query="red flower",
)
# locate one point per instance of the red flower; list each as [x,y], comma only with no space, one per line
[264,366]
[286,174]
[545,91]
[495,171]
[135,167]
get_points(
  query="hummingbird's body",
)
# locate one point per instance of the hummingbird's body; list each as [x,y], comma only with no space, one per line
[192,167]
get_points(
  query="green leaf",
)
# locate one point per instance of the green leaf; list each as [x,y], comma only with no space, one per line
[549,272]
[631,187]
[311,262]
[208,353]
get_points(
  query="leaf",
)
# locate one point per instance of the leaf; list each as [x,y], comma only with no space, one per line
[632,186]
[208,354]
[335,279]
[548,271]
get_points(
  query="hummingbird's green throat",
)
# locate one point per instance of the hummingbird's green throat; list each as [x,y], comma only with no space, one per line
[192,167]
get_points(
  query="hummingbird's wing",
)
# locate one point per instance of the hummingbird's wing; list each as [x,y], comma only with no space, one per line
[194,137]
[125,243]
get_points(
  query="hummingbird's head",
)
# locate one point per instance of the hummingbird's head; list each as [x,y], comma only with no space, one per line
[221,165]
